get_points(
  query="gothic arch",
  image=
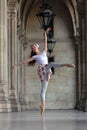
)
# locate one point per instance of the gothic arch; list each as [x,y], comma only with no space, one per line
[25,7]
[72,7]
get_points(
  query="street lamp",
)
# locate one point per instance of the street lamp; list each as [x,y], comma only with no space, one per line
[45,15]
[46,18]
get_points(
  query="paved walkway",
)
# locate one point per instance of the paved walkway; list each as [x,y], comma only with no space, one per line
[52,120]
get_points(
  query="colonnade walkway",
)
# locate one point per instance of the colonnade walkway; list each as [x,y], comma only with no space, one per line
[51,120]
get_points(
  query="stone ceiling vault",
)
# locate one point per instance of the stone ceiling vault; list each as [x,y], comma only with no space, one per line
[25,8]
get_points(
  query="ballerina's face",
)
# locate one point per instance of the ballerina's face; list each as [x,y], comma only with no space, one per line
[34,47]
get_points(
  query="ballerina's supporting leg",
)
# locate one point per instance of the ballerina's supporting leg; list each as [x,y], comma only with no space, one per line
[44,85]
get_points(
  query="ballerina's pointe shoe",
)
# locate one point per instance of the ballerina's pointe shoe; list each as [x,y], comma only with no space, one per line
[42,109]
[71,65]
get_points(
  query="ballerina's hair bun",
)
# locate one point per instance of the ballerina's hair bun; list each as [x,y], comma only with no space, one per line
[37,45]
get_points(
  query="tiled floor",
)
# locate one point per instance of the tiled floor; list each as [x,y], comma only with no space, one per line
[51,120]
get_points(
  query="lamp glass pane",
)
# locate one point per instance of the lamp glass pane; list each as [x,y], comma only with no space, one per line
[50,46]
[46,21]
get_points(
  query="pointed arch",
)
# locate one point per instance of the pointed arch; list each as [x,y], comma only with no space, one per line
[72,7]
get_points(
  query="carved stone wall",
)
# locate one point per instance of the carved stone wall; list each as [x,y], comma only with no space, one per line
[14,16]
[4,102]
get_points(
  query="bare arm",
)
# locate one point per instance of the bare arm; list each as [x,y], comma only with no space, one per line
[23,62]
[45,38]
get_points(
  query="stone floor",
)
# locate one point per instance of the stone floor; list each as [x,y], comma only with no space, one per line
[51,120]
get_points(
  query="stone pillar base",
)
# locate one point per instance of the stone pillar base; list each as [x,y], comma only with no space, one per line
[4,102]
[82,105]
[85,106]
[23,104]
[15,105]
[5,105]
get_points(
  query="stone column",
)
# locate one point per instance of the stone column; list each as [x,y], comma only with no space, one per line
[78,75]
[21,75]
[19,60]
[82,57]
[23,80]
[4,103]
[12,39]
[86,50]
